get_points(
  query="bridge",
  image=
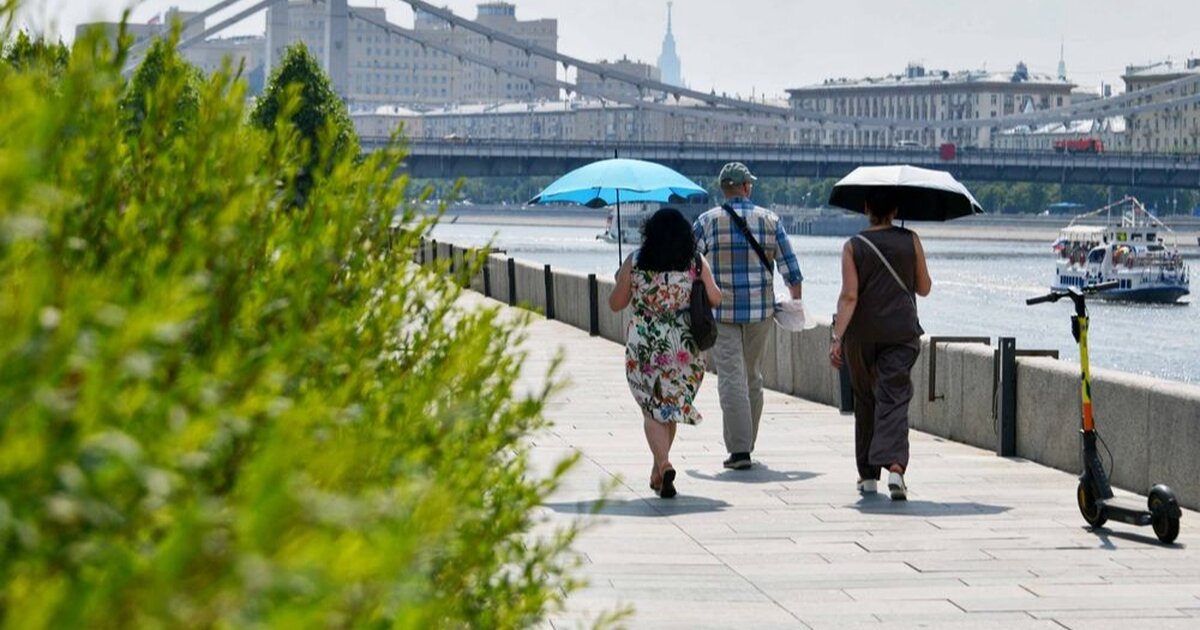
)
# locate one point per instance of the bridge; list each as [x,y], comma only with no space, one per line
[518,158]
[509,158]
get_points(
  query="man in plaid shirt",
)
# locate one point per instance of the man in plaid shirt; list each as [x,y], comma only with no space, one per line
[744,317]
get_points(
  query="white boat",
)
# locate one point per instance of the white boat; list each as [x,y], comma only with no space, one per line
[1131,252]
[634,214]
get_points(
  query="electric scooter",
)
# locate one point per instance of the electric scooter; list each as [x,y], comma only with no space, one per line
[1094,494]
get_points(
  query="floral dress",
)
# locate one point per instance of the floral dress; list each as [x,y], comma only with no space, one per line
[662,364]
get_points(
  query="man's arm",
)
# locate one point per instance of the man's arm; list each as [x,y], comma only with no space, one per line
[786,260]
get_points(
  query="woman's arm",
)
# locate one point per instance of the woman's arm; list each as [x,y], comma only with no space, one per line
[622,293]
[710,283]
[846,303]
[924,283]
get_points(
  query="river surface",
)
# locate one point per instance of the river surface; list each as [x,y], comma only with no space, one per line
[979,289]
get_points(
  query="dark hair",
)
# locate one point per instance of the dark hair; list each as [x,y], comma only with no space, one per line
[667,242]
[881,201]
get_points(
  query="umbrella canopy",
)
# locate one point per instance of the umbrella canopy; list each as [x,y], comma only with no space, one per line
[617,180]
[922,194]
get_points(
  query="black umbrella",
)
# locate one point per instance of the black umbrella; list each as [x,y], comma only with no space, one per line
[921,194]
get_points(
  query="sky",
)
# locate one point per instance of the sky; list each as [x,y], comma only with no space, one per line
[764,47]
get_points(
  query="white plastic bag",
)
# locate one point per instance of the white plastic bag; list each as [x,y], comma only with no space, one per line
[791,314]
[794,316]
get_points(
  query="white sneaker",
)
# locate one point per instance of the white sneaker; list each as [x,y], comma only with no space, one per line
[867,486]
[897,487]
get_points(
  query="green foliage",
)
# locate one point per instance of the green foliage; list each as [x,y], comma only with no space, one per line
[321,118]
[222,410]
[27,53]
[162,66]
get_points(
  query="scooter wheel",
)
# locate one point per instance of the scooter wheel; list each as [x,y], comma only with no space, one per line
[1166,525]
[1087,506]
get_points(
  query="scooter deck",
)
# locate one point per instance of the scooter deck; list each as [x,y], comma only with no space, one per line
[1125,510]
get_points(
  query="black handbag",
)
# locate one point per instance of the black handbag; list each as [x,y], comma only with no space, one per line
[703,323]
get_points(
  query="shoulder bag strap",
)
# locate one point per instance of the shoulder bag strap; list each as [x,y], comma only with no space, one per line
[888,265]
[745,229]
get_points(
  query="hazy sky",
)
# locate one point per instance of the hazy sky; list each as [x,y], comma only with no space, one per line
[767,46]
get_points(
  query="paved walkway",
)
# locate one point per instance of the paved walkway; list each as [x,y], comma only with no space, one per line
[983,542]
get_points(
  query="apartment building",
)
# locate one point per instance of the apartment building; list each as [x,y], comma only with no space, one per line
[927,95]
[1175,129]
[386,67]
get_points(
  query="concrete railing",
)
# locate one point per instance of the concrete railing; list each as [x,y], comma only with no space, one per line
[1151,426]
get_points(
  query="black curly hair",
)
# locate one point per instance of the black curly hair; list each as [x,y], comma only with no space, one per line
[667,242]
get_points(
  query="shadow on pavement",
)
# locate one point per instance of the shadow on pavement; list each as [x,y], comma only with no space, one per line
[882,504]
[760,473]
[651,507]
[1105,534]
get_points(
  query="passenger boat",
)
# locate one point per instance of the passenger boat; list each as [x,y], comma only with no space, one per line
[1131,251]
[634,214]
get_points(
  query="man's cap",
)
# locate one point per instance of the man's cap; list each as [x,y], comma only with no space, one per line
[735,173]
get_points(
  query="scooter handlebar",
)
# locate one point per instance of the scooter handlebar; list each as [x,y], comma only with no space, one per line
[1049,297]
[1103,286]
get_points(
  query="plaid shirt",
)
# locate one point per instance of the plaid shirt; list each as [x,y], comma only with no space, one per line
[748,294]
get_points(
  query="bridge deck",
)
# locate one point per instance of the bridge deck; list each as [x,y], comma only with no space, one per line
[982,542]
[482,157]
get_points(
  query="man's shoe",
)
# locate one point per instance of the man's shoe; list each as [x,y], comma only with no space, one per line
[896,486]
[867,486]
[738,461]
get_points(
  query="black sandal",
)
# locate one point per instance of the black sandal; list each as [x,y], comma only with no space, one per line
[668,484]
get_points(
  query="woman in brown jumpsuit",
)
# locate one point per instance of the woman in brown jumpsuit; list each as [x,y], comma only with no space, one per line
[879,336]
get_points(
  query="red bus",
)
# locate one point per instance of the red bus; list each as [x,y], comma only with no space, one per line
[1079,145]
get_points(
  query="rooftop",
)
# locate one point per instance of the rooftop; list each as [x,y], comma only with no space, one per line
[916,75]
[1163,68]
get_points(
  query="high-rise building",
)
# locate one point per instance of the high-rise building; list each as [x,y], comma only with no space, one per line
[669,65]
[592,84]
[242,52]
[385,67]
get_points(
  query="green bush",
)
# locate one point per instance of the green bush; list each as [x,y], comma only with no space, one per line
[223,408]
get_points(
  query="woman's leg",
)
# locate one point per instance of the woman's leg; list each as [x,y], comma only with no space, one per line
[893,393]
[860,359]
[658,437]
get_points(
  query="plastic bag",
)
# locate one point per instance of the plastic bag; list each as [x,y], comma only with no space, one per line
[790,314]
[794,316]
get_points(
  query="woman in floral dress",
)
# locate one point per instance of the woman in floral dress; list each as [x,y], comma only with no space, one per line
[662,363]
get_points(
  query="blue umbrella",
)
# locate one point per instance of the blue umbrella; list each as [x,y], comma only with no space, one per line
[612,181]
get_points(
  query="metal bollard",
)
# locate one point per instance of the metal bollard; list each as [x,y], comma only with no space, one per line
[593,305]
[549,277]
[1006,416]
[512,282]
[845,391]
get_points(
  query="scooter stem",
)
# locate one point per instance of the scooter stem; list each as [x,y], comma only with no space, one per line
[1081,325]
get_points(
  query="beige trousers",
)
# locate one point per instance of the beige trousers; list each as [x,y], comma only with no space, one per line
[738,357]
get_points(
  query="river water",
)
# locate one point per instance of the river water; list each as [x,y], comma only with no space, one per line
[979,289]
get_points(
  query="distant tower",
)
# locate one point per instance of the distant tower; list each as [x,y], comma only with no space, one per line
[668,59]
[1062,63]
